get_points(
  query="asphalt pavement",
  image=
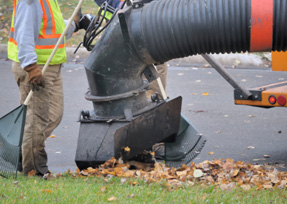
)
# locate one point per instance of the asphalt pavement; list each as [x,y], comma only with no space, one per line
[241,133]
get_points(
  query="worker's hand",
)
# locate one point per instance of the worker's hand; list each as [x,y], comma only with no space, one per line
[35,76]
[77,19]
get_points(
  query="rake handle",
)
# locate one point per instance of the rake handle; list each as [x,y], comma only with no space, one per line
[56,47]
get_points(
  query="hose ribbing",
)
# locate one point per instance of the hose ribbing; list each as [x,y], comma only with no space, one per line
[180,28]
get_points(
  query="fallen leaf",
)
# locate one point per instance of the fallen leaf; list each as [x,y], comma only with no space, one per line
[131,195]
[52,136]
[113,198]
[123,180]
[258,159]
[267,186]
[250,147]
[197,173]
[245,187]
[127,149]
[235,172]
[266,156]
[32,173]
[227,187]
[251,116]
[205,94]
[210,153]
[103,189]
[180,74]
[46,191]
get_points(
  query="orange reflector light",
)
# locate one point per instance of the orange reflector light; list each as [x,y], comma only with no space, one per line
[281,100]
[272,99]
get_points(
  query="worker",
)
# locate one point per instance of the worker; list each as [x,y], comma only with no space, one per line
[35,29]
[161,68]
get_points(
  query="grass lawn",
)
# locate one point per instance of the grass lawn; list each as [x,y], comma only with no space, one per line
[67,8]
[91,189]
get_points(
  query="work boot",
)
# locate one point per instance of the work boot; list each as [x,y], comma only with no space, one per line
[159,150]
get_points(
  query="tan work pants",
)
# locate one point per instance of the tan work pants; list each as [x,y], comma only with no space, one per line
[44,113]
[153,87]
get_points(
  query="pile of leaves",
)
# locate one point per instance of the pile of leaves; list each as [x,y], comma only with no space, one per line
[225,173]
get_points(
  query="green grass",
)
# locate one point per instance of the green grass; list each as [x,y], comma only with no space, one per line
[69,189]
[67,8]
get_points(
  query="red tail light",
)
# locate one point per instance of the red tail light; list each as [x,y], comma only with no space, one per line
[272,99]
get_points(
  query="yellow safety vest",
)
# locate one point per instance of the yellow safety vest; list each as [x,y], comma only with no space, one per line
[52,27]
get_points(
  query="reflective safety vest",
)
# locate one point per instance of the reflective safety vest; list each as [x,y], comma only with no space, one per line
[52,27]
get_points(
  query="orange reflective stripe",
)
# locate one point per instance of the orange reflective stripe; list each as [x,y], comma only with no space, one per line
[261,25]
[49,36]
[15,4]
[45,19]
[12,29]
[12,41]
[52,16]
[39,47]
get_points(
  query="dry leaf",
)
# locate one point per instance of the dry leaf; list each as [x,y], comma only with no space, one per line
[197,173]
[103,189]
[113,198]
[46,191]
[84,173]
[250,147]
[127,149]
[235,172]
[210,153]
[225,173]
[246,187]
[32,173]
[205,94]
[266,156]
[131,195]
[52,136]
[267,186]
[258,159]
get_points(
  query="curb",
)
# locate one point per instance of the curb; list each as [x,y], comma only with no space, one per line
[250,60]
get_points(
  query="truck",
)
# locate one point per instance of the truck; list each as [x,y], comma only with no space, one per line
[125,124]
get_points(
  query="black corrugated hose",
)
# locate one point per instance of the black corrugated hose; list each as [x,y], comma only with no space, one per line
[179,28]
